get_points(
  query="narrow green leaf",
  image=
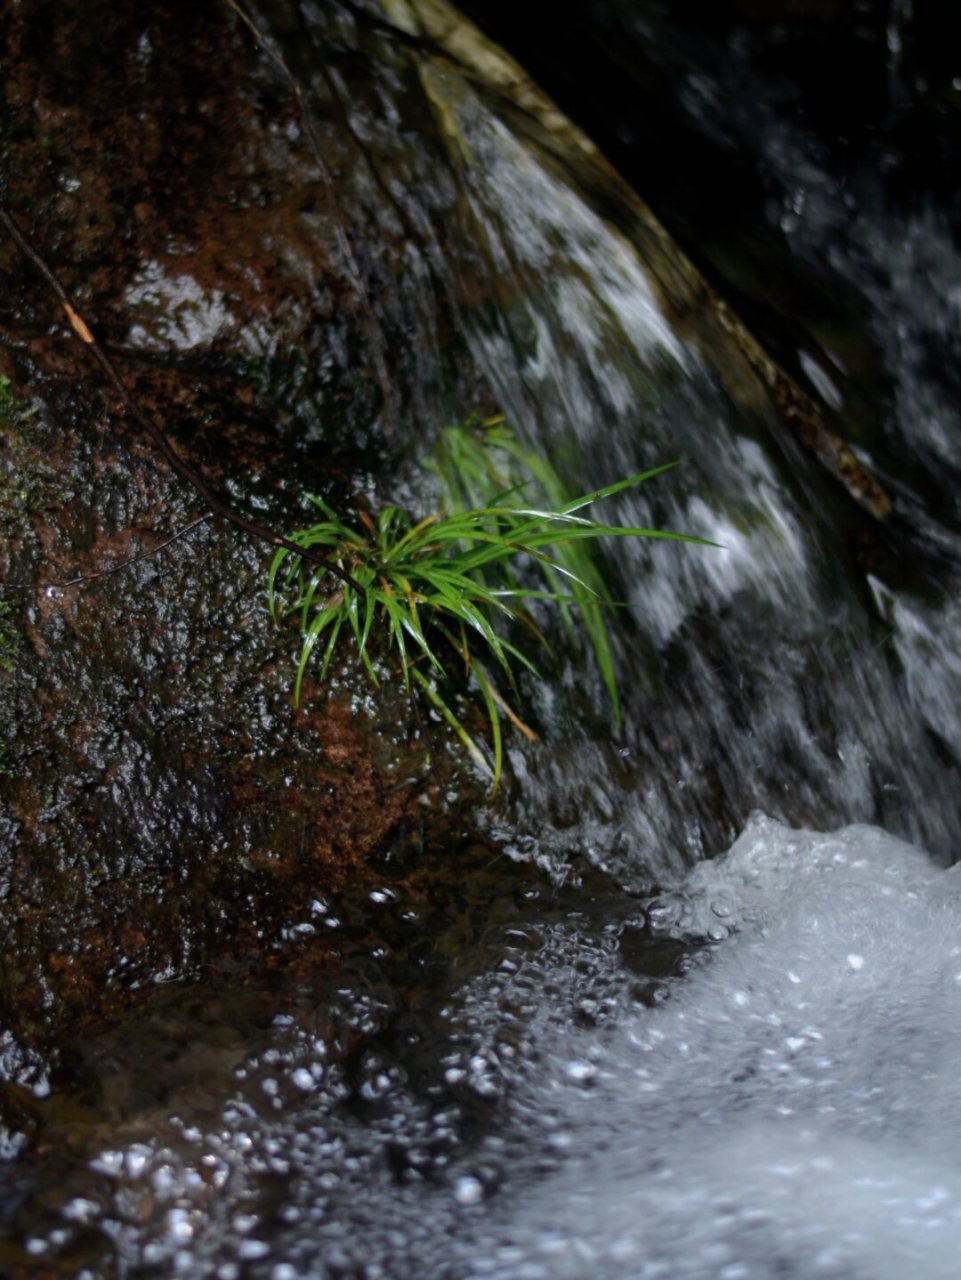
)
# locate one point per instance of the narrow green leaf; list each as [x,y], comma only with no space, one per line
[458,579]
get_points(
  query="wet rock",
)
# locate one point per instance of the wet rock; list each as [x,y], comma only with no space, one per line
[160,799]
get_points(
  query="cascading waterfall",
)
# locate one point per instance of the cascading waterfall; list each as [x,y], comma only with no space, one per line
[770,673]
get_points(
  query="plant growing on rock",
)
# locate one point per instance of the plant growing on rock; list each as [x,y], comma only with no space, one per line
[444,594]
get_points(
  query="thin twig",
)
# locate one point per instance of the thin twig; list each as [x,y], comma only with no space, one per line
[126,564]
[217,505]
[512,715]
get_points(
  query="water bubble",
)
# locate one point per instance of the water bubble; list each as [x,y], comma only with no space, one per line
[251,1250]
[108,1162]
[581,1071]
[80,1210]
[136,1160]
[180,1225]
[468,1190]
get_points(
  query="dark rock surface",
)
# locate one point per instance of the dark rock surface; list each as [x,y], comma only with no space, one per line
[161,801]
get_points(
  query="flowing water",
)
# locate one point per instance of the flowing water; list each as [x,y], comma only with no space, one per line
[593,1052]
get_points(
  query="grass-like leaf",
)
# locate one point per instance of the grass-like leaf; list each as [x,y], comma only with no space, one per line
[441,591]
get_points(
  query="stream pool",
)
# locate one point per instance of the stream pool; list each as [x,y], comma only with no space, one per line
[750,1075]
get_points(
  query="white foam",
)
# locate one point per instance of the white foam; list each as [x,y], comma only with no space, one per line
[795,1109]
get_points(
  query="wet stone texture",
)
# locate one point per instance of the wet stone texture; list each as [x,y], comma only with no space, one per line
[162,805]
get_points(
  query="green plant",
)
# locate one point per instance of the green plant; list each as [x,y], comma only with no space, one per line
[28,481]
[13,412]
[446,587]
[481,456]
[8,639]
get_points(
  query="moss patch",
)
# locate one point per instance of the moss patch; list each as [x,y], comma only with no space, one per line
[28,483]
